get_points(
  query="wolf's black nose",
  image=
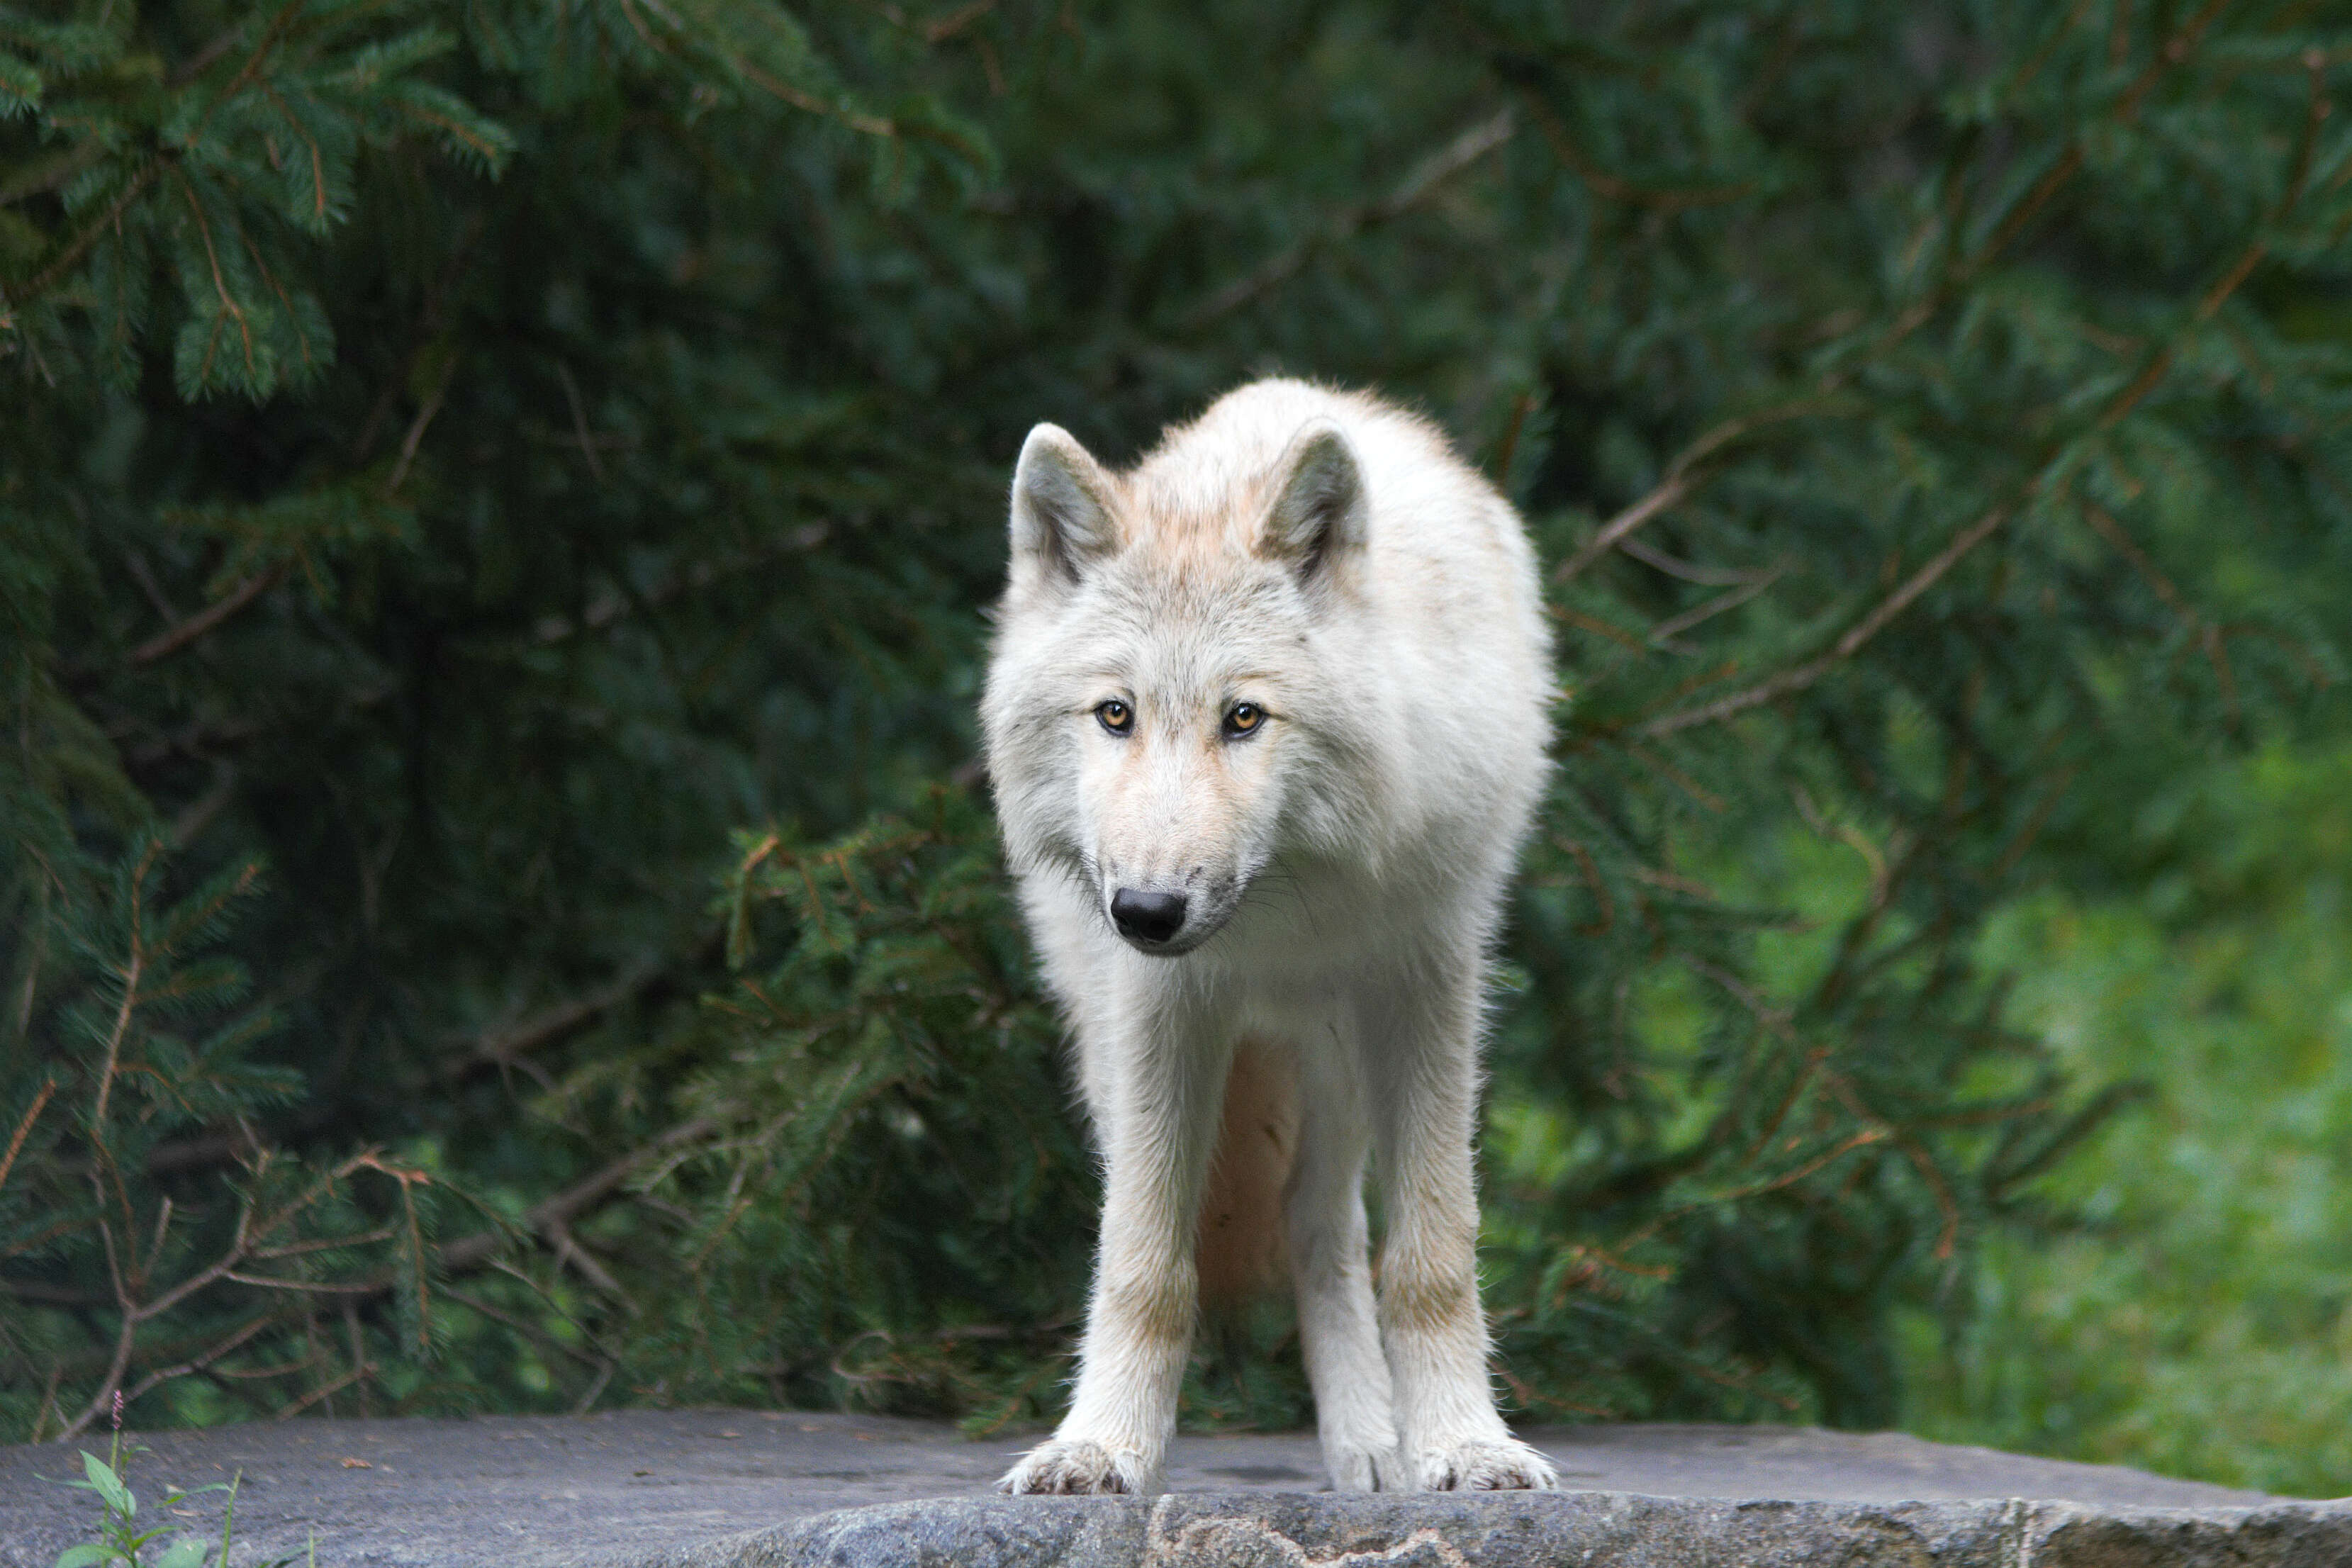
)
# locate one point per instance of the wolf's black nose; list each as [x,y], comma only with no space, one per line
[1147,917]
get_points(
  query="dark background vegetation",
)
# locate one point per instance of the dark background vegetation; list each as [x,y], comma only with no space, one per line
[497,503]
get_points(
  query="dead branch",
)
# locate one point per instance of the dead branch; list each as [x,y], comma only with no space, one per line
[1687,470]
[1689,570]
[1664,495]
[173,639]
[199,1362]
[1349,221]
[556,1212]
[504,1047]
[24,1128]
[580,421]
[1794,681]
[1668,199]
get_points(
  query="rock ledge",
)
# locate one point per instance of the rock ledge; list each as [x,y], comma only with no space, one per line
[1602,1529]
[740,1488]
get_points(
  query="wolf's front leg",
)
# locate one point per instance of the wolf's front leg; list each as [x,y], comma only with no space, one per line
[1421,1039]
[1336,1327]
[1157,1113]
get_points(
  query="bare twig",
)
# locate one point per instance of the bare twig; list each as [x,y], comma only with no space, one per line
[1688,468]
[1803,676]
[307,1287]
[2033,826]
[1851,1141]
[124,1340]
[504,1047]
[558,1211]
[2104,523]
[144,575]
[24,1130]
[198,1363]
[328,1390]
[418,426]
[956,21]
[1664,495]
[1667,631]
[1417,188]
[1671,199]
[580,421]
[45,175]
[176,637]
[1689,571]
[1595,886]
[1507,448]
[431,317]
[568,1249]
[134,969]
[200,812]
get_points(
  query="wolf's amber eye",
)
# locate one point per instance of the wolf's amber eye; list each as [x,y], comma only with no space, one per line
[1243,718]
[1114,716]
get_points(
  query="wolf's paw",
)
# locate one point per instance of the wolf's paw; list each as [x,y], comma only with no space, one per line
[1076,1467]
[1486,1465]
[1366,1468]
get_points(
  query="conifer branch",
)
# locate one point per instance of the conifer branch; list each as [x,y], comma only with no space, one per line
[229,307]
[865,124]
[172,639]
[2151,373]
[251,69]
[16,296]
[2174,53]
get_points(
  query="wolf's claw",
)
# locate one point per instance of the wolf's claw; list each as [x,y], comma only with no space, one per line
[1486,1465]
[1075,1468]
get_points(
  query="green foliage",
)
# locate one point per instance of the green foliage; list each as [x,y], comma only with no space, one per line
[881,1136]
[120,1539]
[150,1046]
[2193,1307]
[1932,416]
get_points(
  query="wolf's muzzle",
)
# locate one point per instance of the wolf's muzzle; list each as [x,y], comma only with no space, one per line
[1147,917]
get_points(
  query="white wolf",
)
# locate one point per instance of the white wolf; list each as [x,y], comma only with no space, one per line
[1267,718]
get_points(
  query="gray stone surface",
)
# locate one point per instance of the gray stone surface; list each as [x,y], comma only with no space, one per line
[733,1489]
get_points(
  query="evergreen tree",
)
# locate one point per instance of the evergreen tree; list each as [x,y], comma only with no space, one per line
[478,479]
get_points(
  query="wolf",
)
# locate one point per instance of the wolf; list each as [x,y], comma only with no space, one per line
[1267,718]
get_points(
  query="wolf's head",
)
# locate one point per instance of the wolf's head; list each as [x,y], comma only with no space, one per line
[1170,709]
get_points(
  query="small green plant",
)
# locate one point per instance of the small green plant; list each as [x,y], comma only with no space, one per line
[120,1539]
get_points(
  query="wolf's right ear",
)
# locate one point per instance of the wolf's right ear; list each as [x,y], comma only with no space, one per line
[1320,514]
[1061,514]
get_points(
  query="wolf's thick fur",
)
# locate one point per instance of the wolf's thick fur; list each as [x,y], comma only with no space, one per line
[1266,722]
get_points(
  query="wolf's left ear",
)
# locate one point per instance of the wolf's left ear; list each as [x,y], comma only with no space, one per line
[1321,513]
[1061,518]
